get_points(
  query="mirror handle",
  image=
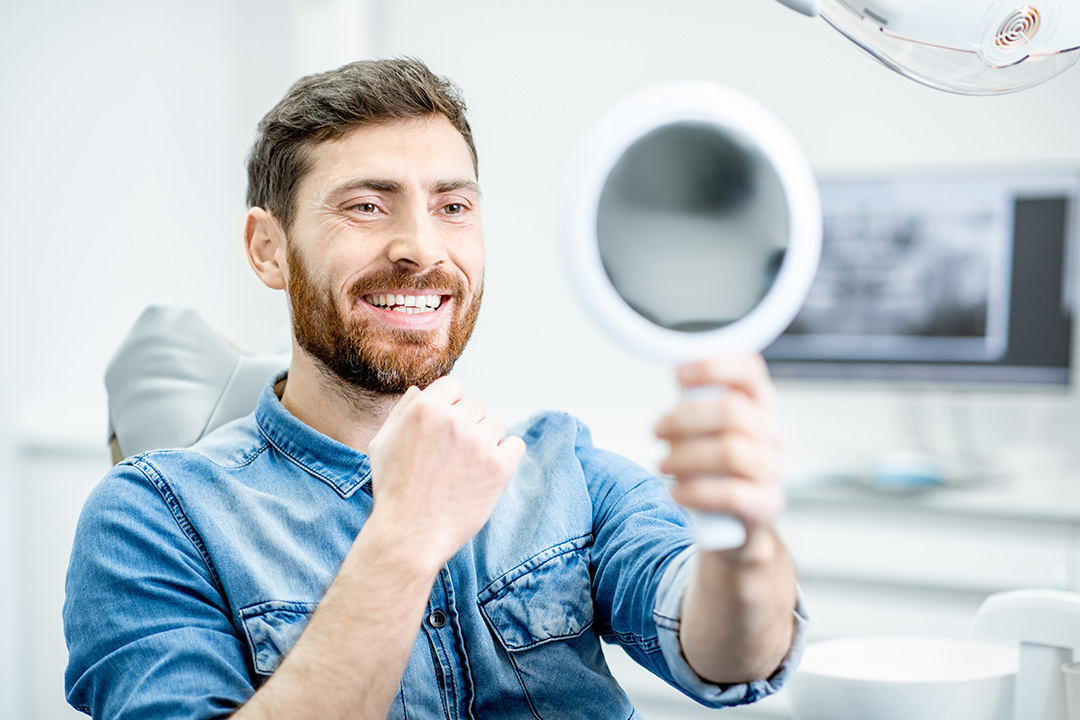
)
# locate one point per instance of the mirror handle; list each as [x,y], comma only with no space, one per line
[714,531]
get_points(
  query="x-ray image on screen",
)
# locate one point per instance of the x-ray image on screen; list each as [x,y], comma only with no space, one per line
[910,271]
[965,278]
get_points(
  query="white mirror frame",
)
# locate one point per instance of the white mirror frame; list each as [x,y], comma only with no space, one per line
[737,115]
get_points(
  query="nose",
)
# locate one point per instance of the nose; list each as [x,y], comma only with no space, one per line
[416,242]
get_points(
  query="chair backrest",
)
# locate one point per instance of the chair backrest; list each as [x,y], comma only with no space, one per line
[174,379]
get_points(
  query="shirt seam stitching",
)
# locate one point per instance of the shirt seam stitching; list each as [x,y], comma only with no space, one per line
[309,470]
[648,644]
[176,509]
[143,458]
[517,571]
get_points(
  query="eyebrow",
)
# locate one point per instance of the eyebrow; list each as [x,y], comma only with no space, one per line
[395,187]
[387,186]
[453,185]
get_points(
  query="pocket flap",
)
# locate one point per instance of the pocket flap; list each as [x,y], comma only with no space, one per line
[272,629]
[549,601]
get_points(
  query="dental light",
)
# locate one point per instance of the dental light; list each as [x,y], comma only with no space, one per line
[970,47]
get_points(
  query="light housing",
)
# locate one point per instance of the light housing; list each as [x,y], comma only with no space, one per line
[969,47]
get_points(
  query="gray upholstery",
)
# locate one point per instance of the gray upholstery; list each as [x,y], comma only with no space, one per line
[174,379]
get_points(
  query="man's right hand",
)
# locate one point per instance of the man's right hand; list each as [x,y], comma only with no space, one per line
[439,466]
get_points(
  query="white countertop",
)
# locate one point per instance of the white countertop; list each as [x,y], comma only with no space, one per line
[1055,500]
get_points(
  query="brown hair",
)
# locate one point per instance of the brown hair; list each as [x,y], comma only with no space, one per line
[328,105]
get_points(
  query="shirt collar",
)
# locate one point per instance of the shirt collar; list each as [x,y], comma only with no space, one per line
[336,464]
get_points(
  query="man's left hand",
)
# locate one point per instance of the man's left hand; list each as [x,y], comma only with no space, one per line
[725,451]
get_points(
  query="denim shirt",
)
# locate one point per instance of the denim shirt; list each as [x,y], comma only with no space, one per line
[195,571]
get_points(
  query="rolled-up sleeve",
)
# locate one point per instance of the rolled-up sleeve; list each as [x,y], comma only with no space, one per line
[667,613]
[643,558]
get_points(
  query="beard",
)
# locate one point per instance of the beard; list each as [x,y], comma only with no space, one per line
[377,359]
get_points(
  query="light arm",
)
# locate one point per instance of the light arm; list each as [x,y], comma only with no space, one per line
[806,7]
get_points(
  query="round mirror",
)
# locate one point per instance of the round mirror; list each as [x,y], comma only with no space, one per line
[695,223]
[695,231]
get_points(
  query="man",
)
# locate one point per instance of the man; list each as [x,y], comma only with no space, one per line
[369,543]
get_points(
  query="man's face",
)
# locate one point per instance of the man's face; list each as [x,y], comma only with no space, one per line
[385,255]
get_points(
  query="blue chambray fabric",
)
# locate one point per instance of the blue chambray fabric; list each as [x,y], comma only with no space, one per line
[195,571]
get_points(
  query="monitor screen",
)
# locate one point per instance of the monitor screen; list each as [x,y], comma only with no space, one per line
[960,279]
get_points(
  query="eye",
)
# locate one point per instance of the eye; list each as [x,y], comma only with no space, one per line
[454,208]
[366,208]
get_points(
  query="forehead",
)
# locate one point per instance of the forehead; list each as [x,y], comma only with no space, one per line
[415,149]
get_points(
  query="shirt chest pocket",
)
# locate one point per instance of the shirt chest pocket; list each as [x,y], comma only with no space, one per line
[541,613]
[272,629]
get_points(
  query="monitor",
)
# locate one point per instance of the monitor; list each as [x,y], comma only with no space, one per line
[958,278]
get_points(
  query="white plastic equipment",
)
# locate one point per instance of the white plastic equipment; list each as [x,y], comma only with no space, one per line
[904,678]
[1046,624]
[971,47]
[1009,668]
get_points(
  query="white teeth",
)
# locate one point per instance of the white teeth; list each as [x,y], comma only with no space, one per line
[406,303]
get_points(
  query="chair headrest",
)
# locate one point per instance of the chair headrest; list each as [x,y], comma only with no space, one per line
[174,379]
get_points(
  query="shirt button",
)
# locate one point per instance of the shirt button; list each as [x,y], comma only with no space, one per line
[437,619]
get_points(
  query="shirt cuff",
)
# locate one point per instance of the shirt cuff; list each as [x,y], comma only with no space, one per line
[667,613]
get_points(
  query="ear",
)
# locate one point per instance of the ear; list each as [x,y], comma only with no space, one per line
[266,251]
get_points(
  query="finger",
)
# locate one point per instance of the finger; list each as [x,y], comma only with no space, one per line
[754,505]
[744,373]
[734,412]
[492,430]
[406,399]
[513,450]
[446,389]
[470,409]
[731,455]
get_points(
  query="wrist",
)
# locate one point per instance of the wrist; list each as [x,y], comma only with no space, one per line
[762,548]
[387,542]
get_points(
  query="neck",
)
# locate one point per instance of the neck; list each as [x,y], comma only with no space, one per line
[337,409]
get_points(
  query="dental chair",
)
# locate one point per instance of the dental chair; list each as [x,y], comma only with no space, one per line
[173,359]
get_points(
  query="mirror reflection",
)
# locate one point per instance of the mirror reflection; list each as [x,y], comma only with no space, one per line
[692,226]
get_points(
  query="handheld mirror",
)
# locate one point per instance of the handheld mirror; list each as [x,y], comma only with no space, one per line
[694,231]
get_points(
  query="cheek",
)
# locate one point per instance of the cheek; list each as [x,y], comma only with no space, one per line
[476,270]
[470,258]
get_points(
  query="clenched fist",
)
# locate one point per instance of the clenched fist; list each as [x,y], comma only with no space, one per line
[439,465]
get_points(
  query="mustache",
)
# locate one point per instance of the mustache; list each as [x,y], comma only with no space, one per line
[398,278]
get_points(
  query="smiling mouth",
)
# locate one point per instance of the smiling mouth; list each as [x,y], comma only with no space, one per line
[407,304]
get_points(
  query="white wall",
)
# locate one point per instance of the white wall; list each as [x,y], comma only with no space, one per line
[124,126]
[537,73]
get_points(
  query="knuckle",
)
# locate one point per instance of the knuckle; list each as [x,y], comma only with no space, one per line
[743,458]
[730,411]
[736,498]
[712,415]
[423,412]
[726,454]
